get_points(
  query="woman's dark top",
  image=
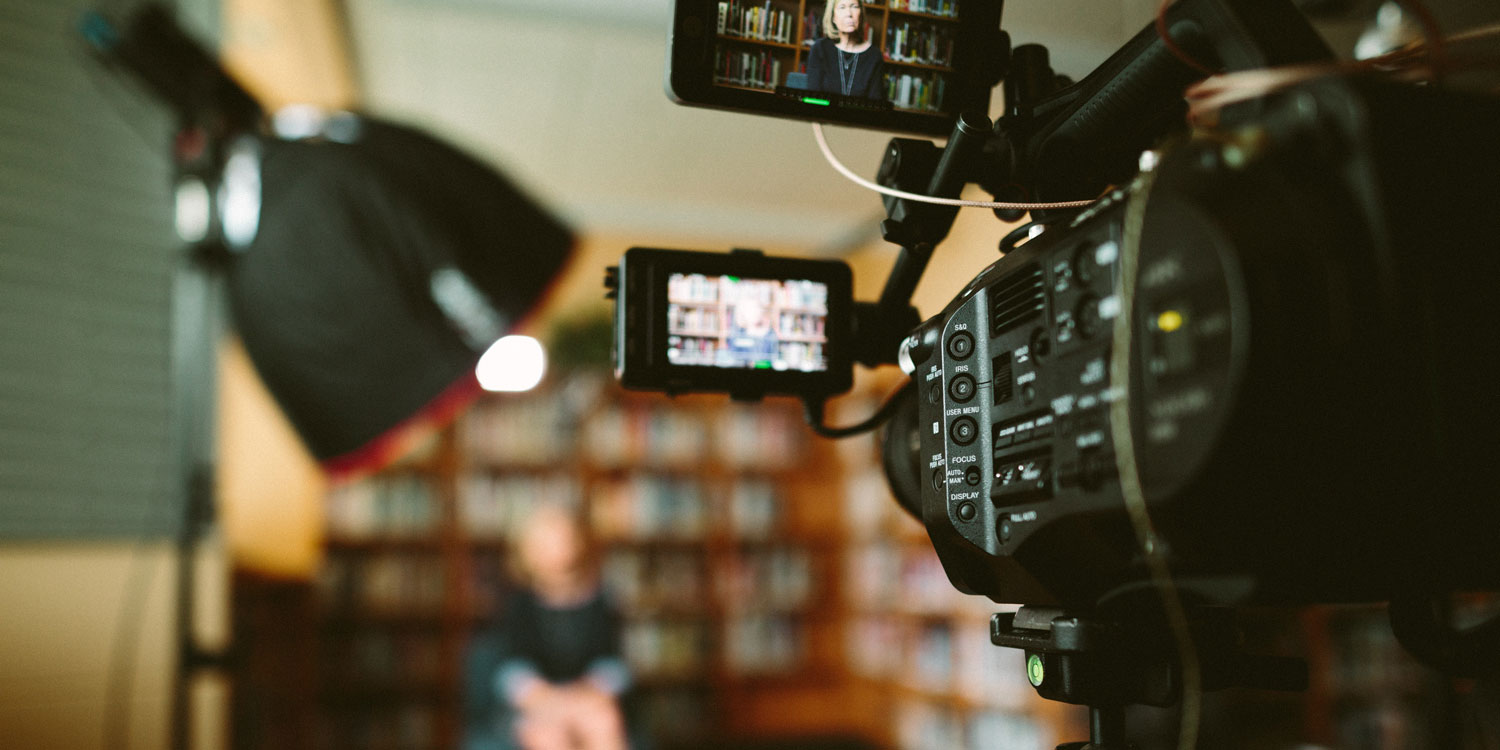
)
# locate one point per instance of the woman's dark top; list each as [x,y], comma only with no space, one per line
[534,640]
[862,73]
[561,645]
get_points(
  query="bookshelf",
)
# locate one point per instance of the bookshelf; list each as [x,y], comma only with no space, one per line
[772,587]
[760,43]
[388,628]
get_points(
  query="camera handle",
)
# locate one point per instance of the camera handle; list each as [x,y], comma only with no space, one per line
[1109,663]
[921,167]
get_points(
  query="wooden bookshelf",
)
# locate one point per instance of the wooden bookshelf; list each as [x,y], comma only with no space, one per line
[762,43]
[388,627]
[773,588]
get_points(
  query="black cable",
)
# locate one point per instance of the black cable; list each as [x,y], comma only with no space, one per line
[812,411]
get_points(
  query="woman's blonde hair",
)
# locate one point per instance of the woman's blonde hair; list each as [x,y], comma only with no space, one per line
[832,32]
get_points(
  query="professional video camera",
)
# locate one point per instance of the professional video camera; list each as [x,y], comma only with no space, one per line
[1254,369]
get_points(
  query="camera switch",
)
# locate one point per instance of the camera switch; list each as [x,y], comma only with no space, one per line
[972,476]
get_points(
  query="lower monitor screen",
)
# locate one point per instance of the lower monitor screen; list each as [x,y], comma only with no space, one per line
[743,323]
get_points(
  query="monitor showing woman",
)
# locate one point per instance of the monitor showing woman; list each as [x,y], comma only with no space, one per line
[846,61]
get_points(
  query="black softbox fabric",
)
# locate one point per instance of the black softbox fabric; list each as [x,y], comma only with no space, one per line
[355,299]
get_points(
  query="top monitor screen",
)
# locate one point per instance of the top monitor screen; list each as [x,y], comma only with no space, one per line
[895,64]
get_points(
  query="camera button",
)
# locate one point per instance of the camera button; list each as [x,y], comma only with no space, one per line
[961,345]
[964,430]
[962,387]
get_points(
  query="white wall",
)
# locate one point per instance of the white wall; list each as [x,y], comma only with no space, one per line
[572,103]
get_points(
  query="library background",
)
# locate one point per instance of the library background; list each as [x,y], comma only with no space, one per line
[773,593]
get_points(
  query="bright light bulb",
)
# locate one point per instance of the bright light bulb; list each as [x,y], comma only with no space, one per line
[514,363]
[239,194]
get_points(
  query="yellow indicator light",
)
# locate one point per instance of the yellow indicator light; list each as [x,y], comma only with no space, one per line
[1169,321]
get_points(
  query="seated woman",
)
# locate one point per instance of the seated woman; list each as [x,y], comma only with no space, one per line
[846,60]
[556,668]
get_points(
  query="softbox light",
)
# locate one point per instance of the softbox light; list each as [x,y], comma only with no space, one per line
[368,266]
[382,267]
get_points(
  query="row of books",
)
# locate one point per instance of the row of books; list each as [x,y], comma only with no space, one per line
[620,436]
[693,289]
[947,8]
[759,437]
[382,657]
[520,431]
[763,644]
[676,581]
[638,507]
[393,506]
[926,92]
[711,321]
[650,507]
[754,506]
[718,351]
[695,321]
[763,21]
[780,579]
[389,583]
[922,725]
[490,506]
[646,582]
[657,649]
[544,432]
[737,437]
[918,42]
[676,649]
[809,325]
[759,69]
[905,578]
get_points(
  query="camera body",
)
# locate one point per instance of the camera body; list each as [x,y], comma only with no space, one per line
[1306,401]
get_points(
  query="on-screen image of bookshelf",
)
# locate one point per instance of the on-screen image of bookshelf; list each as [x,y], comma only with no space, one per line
[763,46]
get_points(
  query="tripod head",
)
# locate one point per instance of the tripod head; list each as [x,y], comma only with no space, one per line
[1110,662]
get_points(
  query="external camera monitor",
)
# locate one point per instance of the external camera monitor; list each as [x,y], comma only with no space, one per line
[739,322]
[906,65]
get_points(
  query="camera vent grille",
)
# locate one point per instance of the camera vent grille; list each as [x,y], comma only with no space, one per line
[1017,299]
